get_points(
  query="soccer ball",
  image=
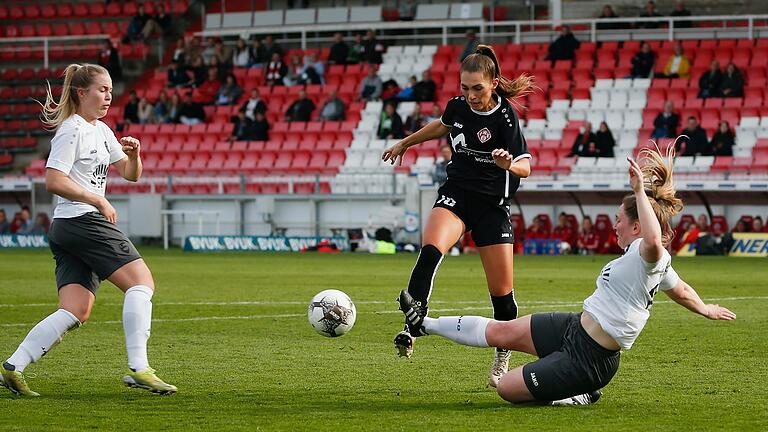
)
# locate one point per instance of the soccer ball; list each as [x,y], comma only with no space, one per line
[331,313]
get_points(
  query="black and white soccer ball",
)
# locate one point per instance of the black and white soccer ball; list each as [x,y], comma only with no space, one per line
[332,313]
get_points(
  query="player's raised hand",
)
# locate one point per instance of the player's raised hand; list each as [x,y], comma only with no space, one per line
[635,176]
[131,147]
[502,158]
[394,154]
[717,312]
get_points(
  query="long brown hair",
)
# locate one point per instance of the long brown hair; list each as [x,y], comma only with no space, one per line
[484,60]
[657,176]
[76,77]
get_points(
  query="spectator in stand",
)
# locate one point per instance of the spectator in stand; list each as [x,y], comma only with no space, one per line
[690,236]
[179,77]
[588,241]
[160,113]
[440,173]
[470,46]
[209,51]
[371,86]
[407,10]
[206,92]
[581,144]
[257,53]
[415,121]
[733,82]
[313,72]
[390,123]
[260,127]
[222,70]
[436,114]
[604,140]
[757,225]
[271,47]
[591,150]
[160,25]
[253,105]
[145,111]
[642,62]
[5,226]
[333,108]
[709,83]
[608,13]
[42,223]
[276,70]
[136,26]
[230,92]
[301,109]
[199,71]
[537,230]
[389,90]
[131,111]
[241,56]
[723,140]
[678,64]
[295,69]
[563,231]
[564,47]
[424,90]
[407,94]
[649,12]
[191,112]
[174,109]
[373,49]
[702,223]
[180,53]
[740,227]
[242,129]
[24,225]
[109,58]
[681,11]
[355,55]
[666,123]
[339,50]
[696,143]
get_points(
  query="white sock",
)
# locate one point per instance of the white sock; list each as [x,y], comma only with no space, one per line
[137,319]
[42,338]
[466,330]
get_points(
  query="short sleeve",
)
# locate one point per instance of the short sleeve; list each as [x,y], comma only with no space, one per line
[115,148]
[669,280]
[63,149]
[515,142]
[450,108]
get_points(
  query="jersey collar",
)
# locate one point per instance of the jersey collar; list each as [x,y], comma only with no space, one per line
[495,97]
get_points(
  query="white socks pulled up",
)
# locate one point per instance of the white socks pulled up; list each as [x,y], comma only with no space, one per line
[466,330]
[42,338]
[137,320]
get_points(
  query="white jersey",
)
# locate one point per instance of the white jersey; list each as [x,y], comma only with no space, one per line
[621,304]
[84,152]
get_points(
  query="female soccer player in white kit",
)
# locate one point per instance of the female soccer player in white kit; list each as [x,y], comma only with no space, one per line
[579,353]
[86,244]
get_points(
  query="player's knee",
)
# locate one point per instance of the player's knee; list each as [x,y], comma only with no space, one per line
[81,312]
[513,390]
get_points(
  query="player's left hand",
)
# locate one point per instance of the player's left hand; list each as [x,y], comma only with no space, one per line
[131,147]
[502,158]
[717,312]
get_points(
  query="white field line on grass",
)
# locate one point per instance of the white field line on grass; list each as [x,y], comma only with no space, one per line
[380,312]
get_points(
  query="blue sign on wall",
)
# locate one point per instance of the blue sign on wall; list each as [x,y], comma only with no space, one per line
[23,241]
[257,243]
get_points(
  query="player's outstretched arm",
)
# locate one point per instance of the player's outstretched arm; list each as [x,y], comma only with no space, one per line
[684,295]
[130,168]
[651,247]
[394,154]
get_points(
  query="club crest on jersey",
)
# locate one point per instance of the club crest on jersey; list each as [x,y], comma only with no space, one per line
[484,135]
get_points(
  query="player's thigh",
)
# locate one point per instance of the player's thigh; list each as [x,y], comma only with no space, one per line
[498,262]
[514,335]
[443,229]
[512,387]
[131,274]
[77,300]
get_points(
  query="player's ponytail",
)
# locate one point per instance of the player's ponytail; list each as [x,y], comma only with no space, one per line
[76,77]
[657,176]
[484,60]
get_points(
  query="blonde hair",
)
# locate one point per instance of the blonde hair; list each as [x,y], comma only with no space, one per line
[484,60]
[76,76]
[657,177]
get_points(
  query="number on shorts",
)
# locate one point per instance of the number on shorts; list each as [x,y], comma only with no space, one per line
[450,202]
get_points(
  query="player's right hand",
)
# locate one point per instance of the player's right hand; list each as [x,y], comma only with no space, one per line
[107,210]
[394,154]
[717,312]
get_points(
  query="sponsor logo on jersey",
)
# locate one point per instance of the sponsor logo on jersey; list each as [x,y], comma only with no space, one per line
[484,135]
[458,125]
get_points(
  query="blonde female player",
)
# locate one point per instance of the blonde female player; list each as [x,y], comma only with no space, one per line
[579,353]
[489,157]
[86,244]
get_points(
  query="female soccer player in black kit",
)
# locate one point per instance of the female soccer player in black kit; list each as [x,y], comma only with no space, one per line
[489,158]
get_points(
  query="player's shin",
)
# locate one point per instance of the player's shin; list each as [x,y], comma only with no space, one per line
[423,274]
[41,339]
[137,320]
[466,330]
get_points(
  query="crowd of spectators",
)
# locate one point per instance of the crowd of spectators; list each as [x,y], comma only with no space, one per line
[694,140]
[22,223]
[649,11]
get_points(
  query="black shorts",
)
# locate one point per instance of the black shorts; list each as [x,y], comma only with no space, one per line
[570,362]
[88,249]
[487,217]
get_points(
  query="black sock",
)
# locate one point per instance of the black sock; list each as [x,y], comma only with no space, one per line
[420,285]
[504,308]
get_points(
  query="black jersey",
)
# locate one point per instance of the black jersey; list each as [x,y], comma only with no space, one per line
[474,135]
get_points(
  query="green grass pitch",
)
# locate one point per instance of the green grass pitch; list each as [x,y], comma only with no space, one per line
[230,331]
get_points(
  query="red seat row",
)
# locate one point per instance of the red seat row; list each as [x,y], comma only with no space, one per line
[76,28]
[66,10]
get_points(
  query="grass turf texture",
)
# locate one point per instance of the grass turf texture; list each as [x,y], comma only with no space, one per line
[259,366]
